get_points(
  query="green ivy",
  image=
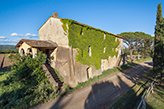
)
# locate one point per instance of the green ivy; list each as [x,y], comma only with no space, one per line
[82,36]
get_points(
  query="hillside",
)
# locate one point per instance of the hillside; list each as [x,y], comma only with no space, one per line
[8,47]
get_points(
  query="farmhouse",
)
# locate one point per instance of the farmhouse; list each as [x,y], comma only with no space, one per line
[79,51]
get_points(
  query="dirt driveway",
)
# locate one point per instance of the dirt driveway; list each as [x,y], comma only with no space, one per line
[4,61]
[102,93]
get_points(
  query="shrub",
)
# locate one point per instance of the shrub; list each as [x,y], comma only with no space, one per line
[26,84]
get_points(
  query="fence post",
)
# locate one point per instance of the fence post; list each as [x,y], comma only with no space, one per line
[143,100]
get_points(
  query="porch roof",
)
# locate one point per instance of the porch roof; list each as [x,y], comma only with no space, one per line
[37,43]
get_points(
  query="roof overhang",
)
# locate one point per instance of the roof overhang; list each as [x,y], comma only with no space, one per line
[37,44]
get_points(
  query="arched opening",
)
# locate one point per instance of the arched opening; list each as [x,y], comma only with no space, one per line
[29,51]
[22,52]
[89,72]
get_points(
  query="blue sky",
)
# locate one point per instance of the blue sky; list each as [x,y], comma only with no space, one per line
[21,19]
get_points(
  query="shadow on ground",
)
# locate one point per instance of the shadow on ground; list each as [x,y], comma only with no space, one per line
[103,94]
[149,63]
[2,62]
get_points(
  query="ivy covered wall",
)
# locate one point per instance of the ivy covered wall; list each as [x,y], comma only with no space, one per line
[82,37]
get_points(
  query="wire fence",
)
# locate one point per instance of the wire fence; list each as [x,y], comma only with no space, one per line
[142,104]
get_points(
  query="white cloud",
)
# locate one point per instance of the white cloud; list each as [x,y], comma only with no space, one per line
[28,35]
[3,37]
[9,41]
[34,35]
[14,34]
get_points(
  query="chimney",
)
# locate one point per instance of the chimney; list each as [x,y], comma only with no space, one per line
[55,15]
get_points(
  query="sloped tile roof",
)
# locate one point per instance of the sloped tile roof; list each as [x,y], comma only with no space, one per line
[37,43]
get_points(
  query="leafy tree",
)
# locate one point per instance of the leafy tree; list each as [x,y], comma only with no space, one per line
[145,42]
[138,41]
[158,59]
[130,41]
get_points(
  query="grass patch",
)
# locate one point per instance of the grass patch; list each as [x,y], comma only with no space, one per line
[133,96]
[60,77]
[156,99]
[142,60]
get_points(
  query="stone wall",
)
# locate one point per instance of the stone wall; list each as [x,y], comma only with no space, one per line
[53,30]
[71,70]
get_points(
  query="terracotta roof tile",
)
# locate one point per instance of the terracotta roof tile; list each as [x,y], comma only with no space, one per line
[37,43]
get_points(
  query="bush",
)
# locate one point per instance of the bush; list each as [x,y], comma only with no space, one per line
[26,84]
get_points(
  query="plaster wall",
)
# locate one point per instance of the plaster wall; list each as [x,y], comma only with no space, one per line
[71,70]
[25,47]
[53,30]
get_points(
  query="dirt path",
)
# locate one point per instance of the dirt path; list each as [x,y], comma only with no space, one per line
[102,93]
[4,61]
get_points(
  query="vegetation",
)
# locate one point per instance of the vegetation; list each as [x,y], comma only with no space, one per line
[158,58]
[156,99]
[26,84]
[133,96]
[142,60]
[137,41]
[8,49]
[88,39]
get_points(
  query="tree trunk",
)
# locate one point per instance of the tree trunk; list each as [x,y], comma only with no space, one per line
[131,58]
[138,54]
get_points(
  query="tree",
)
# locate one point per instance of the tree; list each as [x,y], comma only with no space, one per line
[137,41]
[158,60]
[130,41]
[145,42]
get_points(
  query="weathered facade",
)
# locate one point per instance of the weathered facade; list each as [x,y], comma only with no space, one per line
[65,59]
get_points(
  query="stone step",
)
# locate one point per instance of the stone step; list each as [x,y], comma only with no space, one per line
[54,75]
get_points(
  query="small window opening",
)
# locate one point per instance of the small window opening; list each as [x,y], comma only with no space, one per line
[89,51]
[104,36]
[81,32]
[104,49]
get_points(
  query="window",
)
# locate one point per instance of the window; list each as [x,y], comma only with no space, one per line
[104,49]
[81,32]
[104,36]
[89,51]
